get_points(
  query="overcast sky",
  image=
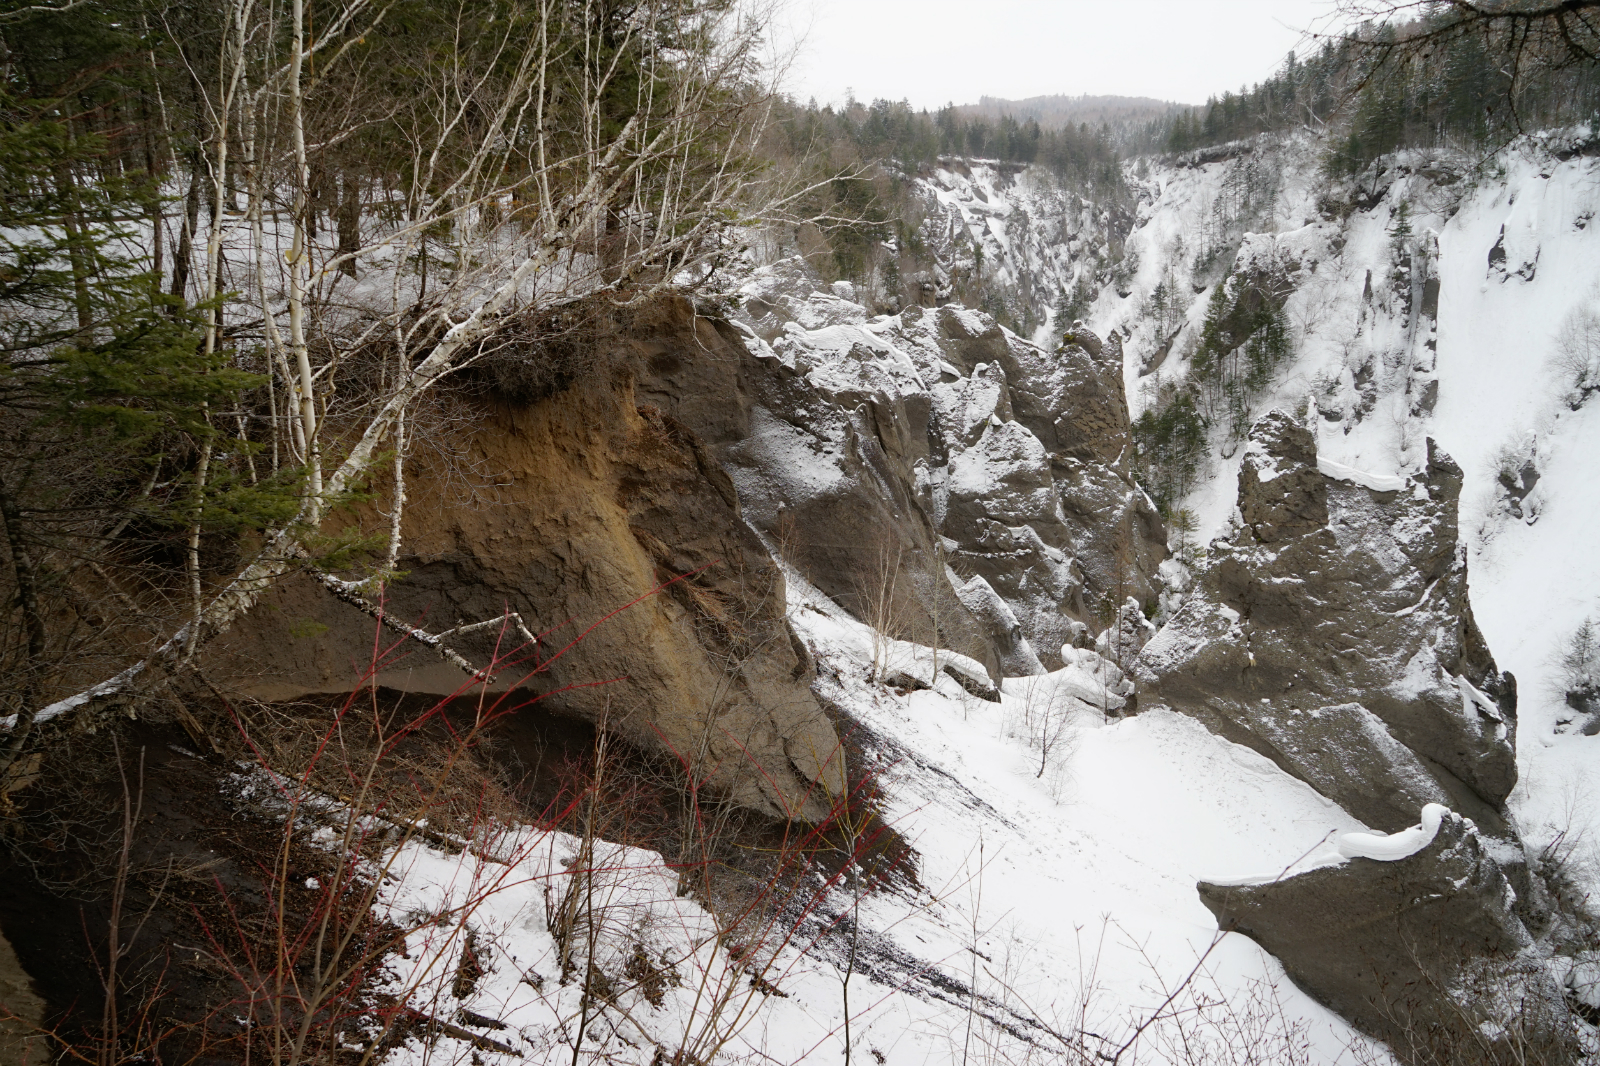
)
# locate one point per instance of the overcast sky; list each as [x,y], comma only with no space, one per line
[934,52]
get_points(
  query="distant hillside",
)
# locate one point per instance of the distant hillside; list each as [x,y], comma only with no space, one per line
[1136,123]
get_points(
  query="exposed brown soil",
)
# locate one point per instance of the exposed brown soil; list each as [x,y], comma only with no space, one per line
[606,525]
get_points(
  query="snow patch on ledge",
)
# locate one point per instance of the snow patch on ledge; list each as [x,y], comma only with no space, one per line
[1375,482]
[1393,846]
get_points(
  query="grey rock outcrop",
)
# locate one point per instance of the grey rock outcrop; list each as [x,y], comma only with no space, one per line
[1424,952]
[1333,634]
[1584,699]
[1122,641]
[991,472]
[828,452]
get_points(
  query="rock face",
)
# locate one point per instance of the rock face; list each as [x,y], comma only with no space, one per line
[992,471]
[1332,633]
[1424,952]
[567,510]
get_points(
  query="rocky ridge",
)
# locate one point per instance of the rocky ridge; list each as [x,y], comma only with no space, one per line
[996,469]
[1331,632]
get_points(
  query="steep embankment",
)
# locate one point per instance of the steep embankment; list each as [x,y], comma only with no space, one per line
[899,537]
[1432,298]
[1430,321]
[572,510]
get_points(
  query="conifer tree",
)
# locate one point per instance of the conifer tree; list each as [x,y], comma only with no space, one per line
[111,404]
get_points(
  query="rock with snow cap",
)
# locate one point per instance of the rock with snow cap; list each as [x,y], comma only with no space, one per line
[1424,951]
[1122,641]
[1282,494]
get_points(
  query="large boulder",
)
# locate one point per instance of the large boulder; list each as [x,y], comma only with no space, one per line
[609,525]
[1425,952]
[1333,634]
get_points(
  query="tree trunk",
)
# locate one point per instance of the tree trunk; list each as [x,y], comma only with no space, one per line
[32,623]
[182,260]
[349,220]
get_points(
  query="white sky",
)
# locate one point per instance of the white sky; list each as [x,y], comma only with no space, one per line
[933,52]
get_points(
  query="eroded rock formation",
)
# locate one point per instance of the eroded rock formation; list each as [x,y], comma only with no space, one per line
[1425,952]
[994,471]
[1332,633]
[567,510]
[941,477]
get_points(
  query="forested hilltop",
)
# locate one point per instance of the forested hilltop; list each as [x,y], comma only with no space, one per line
[1423,79]
[524,542]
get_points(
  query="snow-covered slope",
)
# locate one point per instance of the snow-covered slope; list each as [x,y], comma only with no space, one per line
[1018,239]
[1051,908]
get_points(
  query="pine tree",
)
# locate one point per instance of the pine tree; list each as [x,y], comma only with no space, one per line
[1400,235]
[1169,438]
[1580,659]
[1400,247]
[1215,339]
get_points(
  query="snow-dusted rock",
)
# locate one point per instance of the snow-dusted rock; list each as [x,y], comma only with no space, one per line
[1126,637]
[1424,950]
[1332,633]
[902,445]
[1281,489]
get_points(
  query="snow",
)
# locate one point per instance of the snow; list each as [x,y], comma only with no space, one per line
[1057,856]
[1054,840]
[1532,585]
[1392,847]
[1375,482]
[1532,581]
[503,903]
[1121,818]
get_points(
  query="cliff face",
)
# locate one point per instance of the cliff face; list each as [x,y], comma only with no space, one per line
[944,479]
[570,511]
[997,470]
[710,503]
[1332,633]
[1422,951]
